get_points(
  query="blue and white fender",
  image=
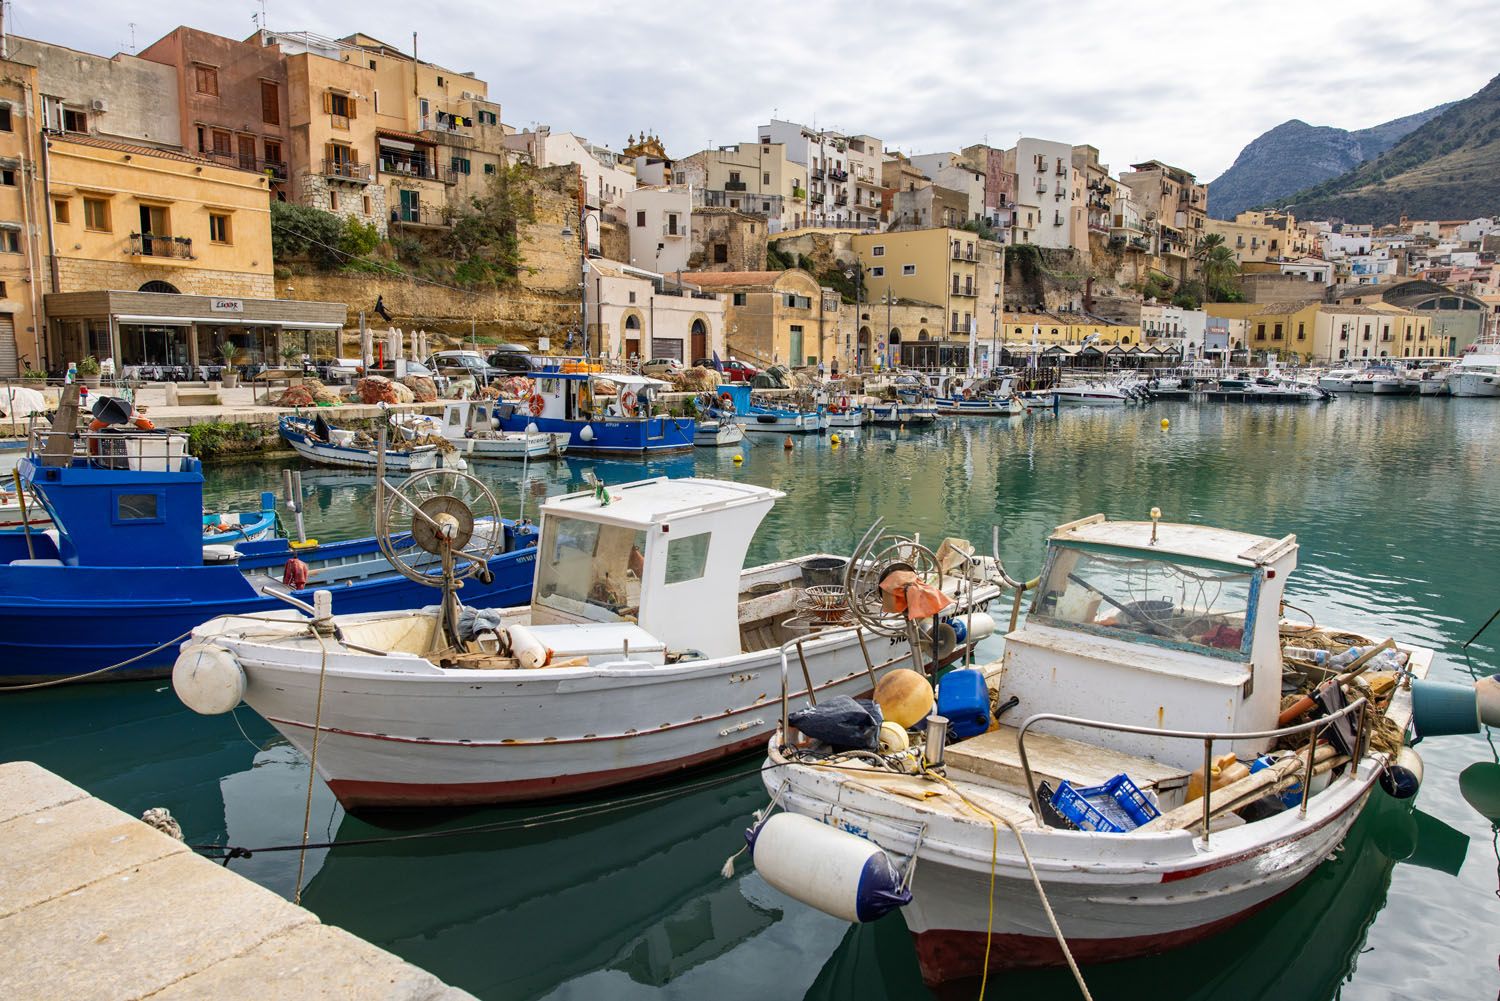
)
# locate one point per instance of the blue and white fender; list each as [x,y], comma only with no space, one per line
[833,871]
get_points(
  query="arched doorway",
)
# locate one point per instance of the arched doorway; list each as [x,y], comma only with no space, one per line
[162,287]
[863,351]
[632,336]
[699,332]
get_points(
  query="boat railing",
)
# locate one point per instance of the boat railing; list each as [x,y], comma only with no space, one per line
[799,644]
[1312,727]
[138,450]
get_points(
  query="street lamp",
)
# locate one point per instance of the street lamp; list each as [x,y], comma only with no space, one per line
[583,273]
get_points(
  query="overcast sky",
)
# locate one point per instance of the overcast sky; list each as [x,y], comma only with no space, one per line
[1186,83]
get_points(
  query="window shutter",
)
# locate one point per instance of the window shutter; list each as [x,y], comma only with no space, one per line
[327,102]
[349,103]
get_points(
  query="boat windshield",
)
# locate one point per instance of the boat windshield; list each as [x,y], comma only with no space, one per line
[1168,602]
[589,569]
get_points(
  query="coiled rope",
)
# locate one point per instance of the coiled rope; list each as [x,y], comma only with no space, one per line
[103,670]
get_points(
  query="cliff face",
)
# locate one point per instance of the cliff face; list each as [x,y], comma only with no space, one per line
[1449,168]
[1295,155]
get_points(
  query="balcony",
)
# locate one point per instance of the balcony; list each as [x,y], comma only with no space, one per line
[672,231]
[408,168]
[347,170]
[276,170]
[958,253]
[841,200]
[869,182]
[817,197]
[419,215]
[838,175]
[178,248]
[799,194]
[967,290]
[817,173]
[734,185]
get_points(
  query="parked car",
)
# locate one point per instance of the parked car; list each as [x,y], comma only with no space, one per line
[734,369]
[662,368]
[507,361]
[462,363]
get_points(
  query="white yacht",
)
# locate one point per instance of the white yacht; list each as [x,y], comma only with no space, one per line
[1339,380]
[1477,373]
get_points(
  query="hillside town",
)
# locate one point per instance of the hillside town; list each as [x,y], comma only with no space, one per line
[286,187]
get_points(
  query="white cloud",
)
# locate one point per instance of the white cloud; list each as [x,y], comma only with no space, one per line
[1189,84]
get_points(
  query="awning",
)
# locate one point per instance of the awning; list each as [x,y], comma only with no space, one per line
[410,137]
[188,321]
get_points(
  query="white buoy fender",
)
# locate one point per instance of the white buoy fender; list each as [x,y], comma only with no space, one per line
[983,625]
[526,648]
[1487,690]
[587,434]
[208,679]
[833,871]
[1403,776]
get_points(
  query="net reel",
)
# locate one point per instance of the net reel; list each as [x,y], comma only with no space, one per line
[879,554]
[439,527]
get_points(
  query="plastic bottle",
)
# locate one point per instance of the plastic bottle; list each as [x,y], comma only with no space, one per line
[1386,660]
[1305,653]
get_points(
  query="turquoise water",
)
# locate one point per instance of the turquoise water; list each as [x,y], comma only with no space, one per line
[1396,504]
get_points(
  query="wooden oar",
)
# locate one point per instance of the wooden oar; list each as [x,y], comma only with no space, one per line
[1304,705]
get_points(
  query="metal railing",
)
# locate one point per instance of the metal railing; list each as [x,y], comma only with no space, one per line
[408,168]
[121,450]
[1208,737]
[151,245]
[667,229]
[347,169]
[420,215]
[734,185]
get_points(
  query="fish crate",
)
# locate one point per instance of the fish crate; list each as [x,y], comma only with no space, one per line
[1115,807]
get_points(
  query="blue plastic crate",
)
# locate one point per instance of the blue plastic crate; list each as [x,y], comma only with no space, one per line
[1113,808]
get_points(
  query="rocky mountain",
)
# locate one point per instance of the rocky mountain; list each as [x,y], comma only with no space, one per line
[1295,155]
[1449,168]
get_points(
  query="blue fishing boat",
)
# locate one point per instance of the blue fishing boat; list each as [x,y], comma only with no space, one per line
[765,415]
[603,413]
[228,528]
[124,570]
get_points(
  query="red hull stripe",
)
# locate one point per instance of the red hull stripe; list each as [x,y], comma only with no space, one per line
[958,955]
[354,794]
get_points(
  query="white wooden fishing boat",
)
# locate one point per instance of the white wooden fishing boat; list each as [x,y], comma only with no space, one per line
[975,397]
[647,648]
[718,432]
[1148,649]
[469,428]
[335,446]
[893,413]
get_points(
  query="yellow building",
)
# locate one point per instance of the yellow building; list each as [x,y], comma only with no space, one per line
[1287,328]
[1048,329]
[752,177]
[1255,237]
[774,317]
[21,248]
[952,269]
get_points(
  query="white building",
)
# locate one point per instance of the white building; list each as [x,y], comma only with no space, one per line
[1475,230]
[1312,269]
[634,313]
[660,221]
[865,156]
[1044,179]
[1183,331]
[948,170]
[825,154]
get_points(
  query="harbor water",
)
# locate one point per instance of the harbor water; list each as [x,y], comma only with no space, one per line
[1396,504]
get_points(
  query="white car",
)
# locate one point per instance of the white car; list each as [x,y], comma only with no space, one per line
[662,368]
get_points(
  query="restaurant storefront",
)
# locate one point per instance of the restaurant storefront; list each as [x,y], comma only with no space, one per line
[169,336]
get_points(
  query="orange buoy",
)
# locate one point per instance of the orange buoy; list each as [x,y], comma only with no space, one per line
[905,697]
[788,444]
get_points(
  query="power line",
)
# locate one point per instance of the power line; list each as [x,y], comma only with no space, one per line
[365,260]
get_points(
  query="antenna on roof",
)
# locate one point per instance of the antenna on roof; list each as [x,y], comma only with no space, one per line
[132,38]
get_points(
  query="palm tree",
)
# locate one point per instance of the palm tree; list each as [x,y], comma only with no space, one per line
[1219,268]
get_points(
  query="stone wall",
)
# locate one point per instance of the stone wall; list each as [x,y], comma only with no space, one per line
[824,251]
[351,199]
[614,241]
[86,276]
[741,236]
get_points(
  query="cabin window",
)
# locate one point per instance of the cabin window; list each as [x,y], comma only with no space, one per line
[138,507]
[590,571]
[1177,603]
[687,556]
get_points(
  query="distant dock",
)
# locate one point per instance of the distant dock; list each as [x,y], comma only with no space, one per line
[97,906]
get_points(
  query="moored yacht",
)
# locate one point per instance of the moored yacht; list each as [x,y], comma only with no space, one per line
[1477,373]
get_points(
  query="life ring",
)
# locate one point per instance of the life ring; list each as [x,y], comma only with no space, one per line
[536,404]
[627,403]
[968,394]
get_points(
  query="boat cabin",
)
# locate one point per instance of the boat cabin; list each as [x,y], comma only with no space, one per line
[591,396]
[665,554]
[1168,626]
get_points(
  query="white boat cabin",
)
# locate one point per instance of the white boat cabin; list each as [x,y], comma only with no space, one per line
[1168,626]
[664,554]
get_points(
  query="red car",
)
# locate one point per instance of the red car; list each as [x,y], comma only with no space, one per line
[734,369]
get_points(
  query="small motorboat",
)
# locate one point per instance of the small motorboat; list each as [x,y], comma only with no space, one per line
[716,426]
[648,647]
[1339,380]
[315,439]
[899,413]
[229,528]
[773,415]
[1148,777]
[469,428]
[974,397]
[1091,394]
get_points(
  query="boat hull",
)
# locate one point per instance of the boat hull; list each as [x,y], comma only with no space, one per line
[783,423]
[613,436]
[48,630]
[1474,384]
[718,435]
[328,454]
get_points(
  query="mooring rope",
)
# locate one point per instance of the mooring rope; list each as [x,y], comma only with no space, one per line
[312,764]
[103,670]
